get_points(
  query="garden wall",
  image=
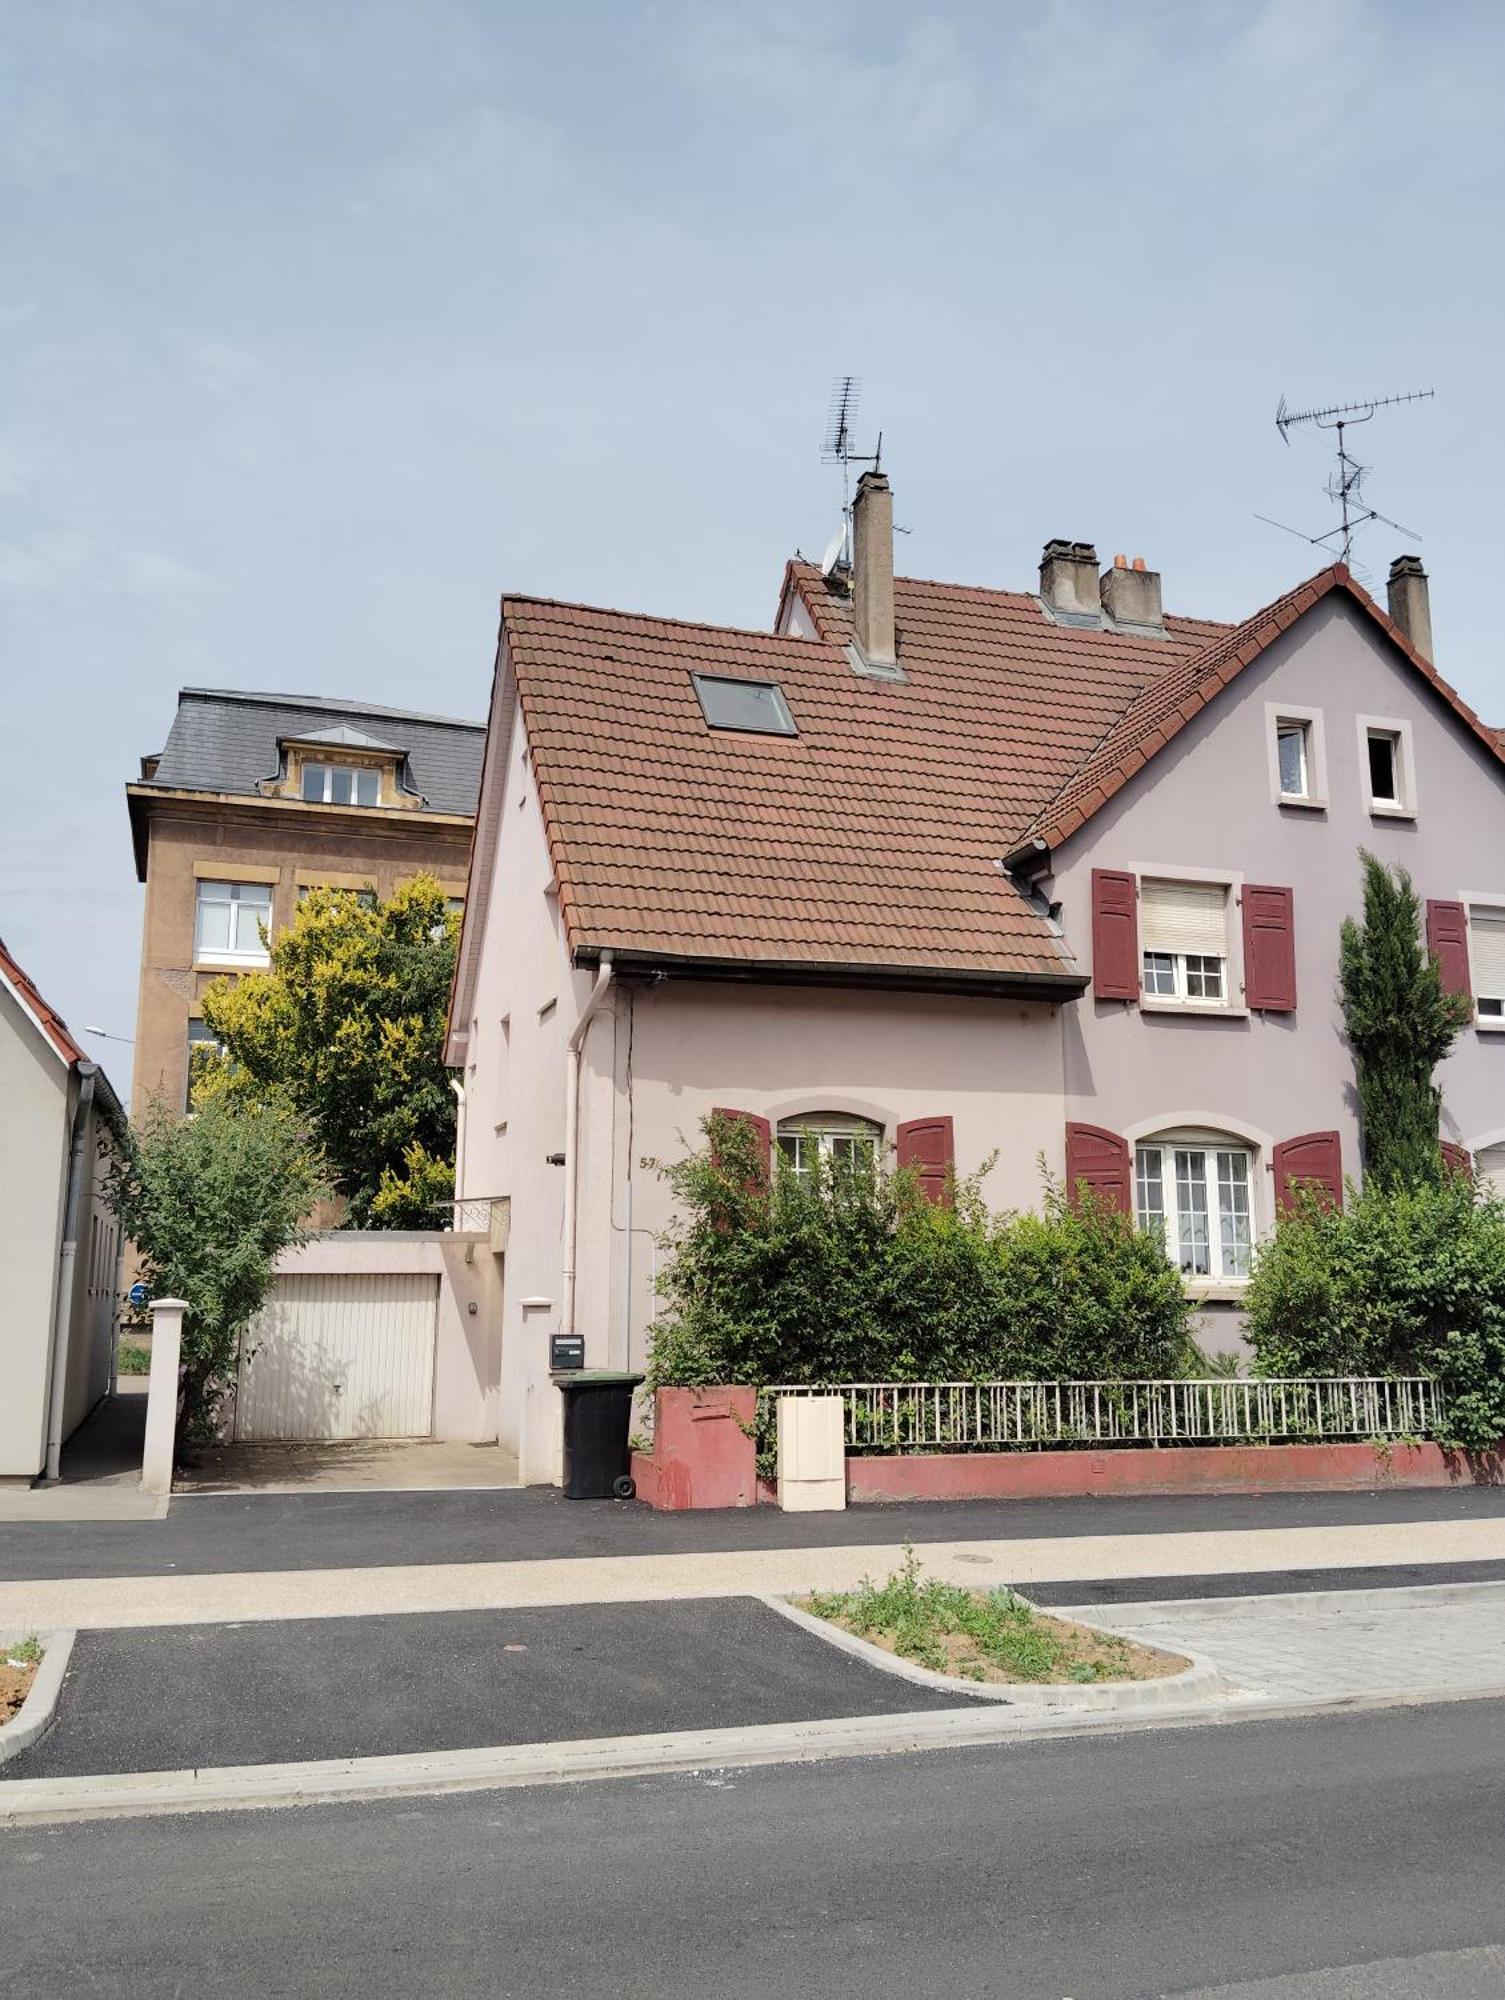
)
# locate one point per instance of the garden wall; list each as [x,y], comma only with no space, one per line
[704,1456]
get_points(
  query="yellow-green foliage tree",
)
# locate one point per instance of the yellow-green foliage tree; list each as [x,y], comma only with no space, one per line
[347,1027]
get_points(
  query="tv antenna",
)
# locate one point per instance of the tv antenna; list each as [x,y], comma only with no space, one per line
[1346,486]
[838,448]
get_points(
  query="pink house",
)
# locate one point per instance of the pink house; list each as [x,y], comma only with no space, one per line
[962,873]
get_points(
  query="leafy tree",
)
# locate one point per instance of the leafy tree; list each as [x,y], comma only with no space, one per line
[1400,1026]
[848,1273]
[1405,1279]
[347,1027]
[209,1201]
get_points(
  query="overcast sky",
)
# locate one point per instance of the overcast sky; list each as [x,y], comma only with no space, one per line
[323,323]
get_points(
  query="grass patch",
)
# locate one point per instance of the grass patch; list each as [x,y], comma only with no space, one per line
[983,1635]
[18,1669]
[131,1358]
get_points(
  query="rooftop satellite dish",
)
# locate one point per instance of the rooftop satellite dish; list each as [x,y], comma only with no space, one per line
[836,551]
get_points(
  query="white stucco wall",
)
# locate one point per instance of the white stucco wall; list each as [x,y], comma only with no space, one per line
[34,1107]
[1204,803]
[527,999]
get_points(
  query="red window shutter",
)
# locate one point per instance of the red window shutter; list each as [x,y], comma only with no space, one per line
[929,1144]
[1317,1158]
[1115,935]
[1269,949]
[1457,1159]
[1101,1159]
[762,1132]
[1447,940]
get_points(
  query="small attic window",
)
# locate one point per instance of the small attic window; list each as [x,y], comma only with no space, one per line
[755,707]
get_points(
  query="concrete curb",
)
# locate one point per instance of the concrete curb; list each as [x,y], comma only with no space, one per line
[1200,1680]
[1419,1595]
[239,1788]
[41,1697]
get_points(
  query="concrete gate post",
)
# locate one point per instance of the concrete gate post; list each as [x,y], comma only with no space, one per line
[162,1395]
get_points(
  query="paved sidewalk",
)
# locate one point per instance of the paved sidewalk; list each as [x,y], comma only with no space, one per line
[213,1599]
[1321,1648]
[276,1531]
[215,1695]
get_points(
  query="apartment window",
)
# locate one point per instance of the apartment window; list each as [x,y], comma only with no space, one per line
[829,1135]
[1384,768]
[1196,1199]
[367,897]
[1387,767]
[203,1051]
[230,919]
[341,784]
[1297,755]
[1486,957]
[1183,934]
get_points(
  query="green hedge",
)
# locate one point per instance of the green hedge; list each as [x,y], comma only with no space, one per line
[852,1275]
[1400,1281]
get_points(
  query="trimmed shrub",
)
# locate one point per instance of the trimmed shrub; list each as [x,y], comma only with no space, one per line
[849,1274]
[1404,1280]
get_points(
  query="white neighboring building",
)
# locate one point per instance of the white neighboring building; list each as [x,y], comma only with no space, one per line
[59,1241]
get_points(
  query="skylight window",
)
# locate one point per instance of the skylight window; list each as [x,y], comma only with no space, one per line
[757,708]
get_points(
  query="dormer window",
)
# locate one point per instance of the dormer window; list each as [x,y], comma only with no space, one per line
[341,784]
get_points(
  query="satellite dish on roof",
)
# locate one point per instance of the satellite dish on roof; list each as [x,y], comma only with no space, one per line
[836,551]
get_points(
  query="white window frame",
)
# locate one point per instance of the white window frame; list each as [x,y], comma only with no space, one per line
[1168,1143]
[1278,715]
[823,1129]
[329,767]
[1231,1006]
[1403,806]
[1486,1024]
[230,954]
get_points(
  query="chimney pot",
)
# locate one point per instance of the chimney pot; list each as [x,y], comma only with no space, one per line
[1068,578]
[1120,562]
[873,571]
[1132,596]
[1411,602]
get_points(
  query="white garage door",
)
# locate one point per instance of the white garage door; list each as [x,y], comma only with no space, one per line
[1490,1167]
[340,1356]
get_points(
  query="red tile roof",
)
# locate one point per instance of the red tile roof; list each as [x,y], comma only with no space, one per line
[874,838]
[51,1023]
[1165,707]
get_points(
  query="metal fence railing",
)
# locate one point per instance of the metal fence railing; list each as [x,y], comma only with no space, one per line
[997,1416]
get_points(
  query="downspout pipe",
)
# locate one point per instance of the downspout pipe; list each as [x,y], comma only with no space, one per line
[574,1051]
[62,1309]
[459,1089]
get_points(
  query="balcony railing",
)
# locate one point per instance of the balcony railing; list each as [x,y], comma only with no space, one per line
[999,1416]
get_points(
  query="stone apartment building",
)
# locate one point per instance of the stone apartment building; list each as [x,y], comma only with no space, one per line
[255,798]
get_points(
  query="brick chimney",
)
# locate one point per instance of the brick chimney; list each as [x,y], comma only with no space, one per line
[1068,580]
[1411,603]
[1131,594]
[873,571]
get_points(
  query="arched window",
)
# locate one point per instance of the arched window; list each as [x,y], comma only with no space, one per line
[1194,1190]
[835,1134]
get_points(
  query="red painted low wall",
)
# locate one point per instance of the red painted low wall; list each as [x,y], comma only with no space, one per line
[1274,1468]
[703,1450]
[704,1456]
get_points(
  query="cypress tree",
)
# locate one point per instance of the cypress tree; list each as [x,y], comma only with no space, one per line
[1400,1026]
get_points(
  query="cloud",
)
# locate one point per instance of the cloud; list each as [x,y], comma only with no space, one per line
[68,559]
[220,366]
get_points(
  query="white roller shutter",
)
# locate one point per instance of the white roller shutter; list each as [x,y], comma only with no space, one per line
[1486,951]
[1490,1168]
[342,1355]
[1184,916]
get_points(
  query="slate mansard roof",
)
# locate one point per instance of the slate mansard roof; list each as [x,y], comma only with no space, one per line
[223,740]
